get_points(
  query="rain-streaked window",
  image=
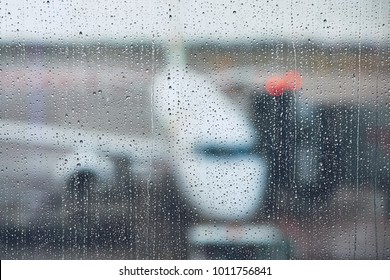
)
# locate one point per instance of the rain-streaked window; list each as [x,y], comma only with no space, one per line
[194,129]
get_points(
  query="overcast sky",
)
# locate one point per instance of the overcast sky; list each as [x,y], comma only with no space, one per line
[61,21]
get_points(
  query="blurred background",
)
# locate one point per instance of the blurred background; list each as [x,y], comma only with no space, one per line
[69,67]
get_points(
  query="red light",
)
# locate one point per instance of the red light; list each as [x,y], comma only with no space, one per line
[293,80]
[275,86]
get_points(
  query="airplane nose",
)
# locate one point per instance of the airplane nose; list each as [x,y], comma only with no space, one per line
[203,127]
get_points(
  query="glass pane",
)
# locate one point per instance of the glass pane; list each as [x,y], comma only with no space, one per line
[194,129]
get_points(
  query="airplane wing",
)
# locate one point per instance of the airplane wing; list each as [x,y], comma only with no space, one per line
[55,137]
[82,149]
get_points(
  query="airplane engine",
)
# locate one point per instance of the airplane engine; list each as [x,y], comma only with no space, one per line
[85,172]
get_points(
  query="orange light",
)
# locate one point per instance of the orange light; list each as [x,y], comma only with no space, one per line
[293,80]
[275,86]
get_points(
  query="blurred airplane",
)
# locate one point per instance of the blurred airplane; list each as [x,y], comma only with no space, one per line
[206,139]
